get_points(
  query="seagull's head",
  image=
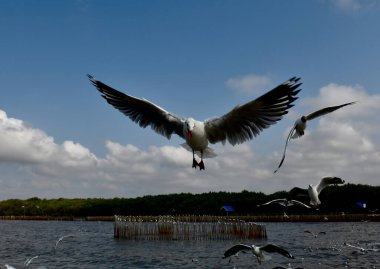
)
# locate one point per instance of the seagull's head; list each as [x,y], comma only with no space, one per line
[337,180]
[189,126]
[303,119]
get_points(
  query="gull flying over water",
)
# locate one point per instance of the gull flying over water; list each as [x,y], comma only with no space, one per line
[314,190]
[257,251]
[361,249]
[60,239]
[285,202]
[314,234]
[28,261]
[299,127]
[240,124]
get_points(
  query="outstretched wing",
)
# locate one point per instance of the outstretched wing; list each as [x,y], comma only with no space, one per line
[235,249]
[325,111]
[141,111]
[275,248]
[296,202]
[328,181]
[279,201]
[246,121]
[286,144]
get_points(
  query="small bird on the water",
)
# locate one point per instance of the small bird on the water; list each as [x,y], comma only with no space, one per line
[240,124]
[257,251]
[299,127]
[314,190]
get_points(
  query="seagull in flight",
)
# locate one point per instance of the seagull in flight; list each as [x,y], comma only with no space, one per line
[361,249]
[299,127]
[60,239]
[28,261]
[314,190]
[285,202]
[315,235]
[257,251]
[240,124]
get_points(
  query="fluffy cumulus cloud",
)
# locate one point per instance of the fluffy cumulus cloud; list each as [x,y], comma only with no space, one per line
[344,144]
[248,83]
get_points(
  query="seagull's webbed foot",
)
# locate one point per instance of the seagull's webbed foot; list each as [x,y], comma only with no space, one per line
[201,165]
[195,164]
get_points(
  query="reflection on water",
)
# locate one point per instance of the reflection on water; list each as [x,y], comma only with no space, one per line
[93,246]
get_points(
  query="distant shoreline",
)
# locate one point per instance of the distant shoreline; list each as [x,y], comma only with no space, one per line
[274,218]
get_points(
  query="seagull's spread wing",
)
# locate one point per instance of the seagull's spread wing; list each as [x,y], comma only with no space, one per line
[275,248]
[286,144]
[246,121]
[141,111]
[279,201]
[28,261]
[235,249]
[328,181]
[325,111]
[296,202]
[61,238]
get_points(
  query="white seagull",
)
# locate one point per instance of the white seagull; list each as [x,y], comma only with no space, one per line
[285,202]
[257,251]
[299,127]
[314,190]
[60,239]
[28,261]
[315,235]
[242,123]
[361,249]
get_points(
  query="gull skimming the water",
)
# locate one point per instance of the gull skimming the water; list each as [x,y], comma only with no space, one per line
[361,249]
[28,261]
[299,127]
[257,251]
[285,202]
[240,124]
[315,235]
[314,190]
[60,239]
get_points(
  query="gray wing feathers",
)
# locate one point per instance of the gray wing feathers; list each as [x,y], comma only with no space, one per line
[274,248]
[325,111]
[246,121]
[235,249]
[141,111]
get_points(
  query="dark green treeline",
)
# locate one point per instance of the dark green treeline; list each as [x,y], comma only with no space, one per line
[335,199]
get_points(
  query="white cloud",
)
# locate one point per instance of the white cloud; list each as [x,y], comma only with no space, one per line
[344,143]
[248,83]
[354,6]
[347,5]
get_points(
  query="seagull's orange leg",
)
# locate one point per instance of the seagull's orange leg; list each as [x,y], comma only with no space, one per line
[201,164]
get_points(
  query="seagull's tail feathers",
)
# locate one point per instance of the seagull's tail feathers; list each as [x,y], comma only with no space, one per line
[207,152]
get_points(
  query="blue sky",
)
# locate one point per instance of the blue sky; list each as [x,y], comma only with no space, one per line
[194,58]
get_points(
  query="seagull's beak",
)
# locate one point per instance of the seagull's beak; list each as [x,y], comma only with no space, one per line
[189,134]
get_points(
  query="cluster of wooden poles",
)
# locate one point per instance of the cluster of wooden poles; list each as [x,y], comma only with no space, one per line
[186,228]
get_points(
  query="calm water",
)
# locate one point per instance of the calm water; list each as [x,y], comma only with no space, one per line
[93,246]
